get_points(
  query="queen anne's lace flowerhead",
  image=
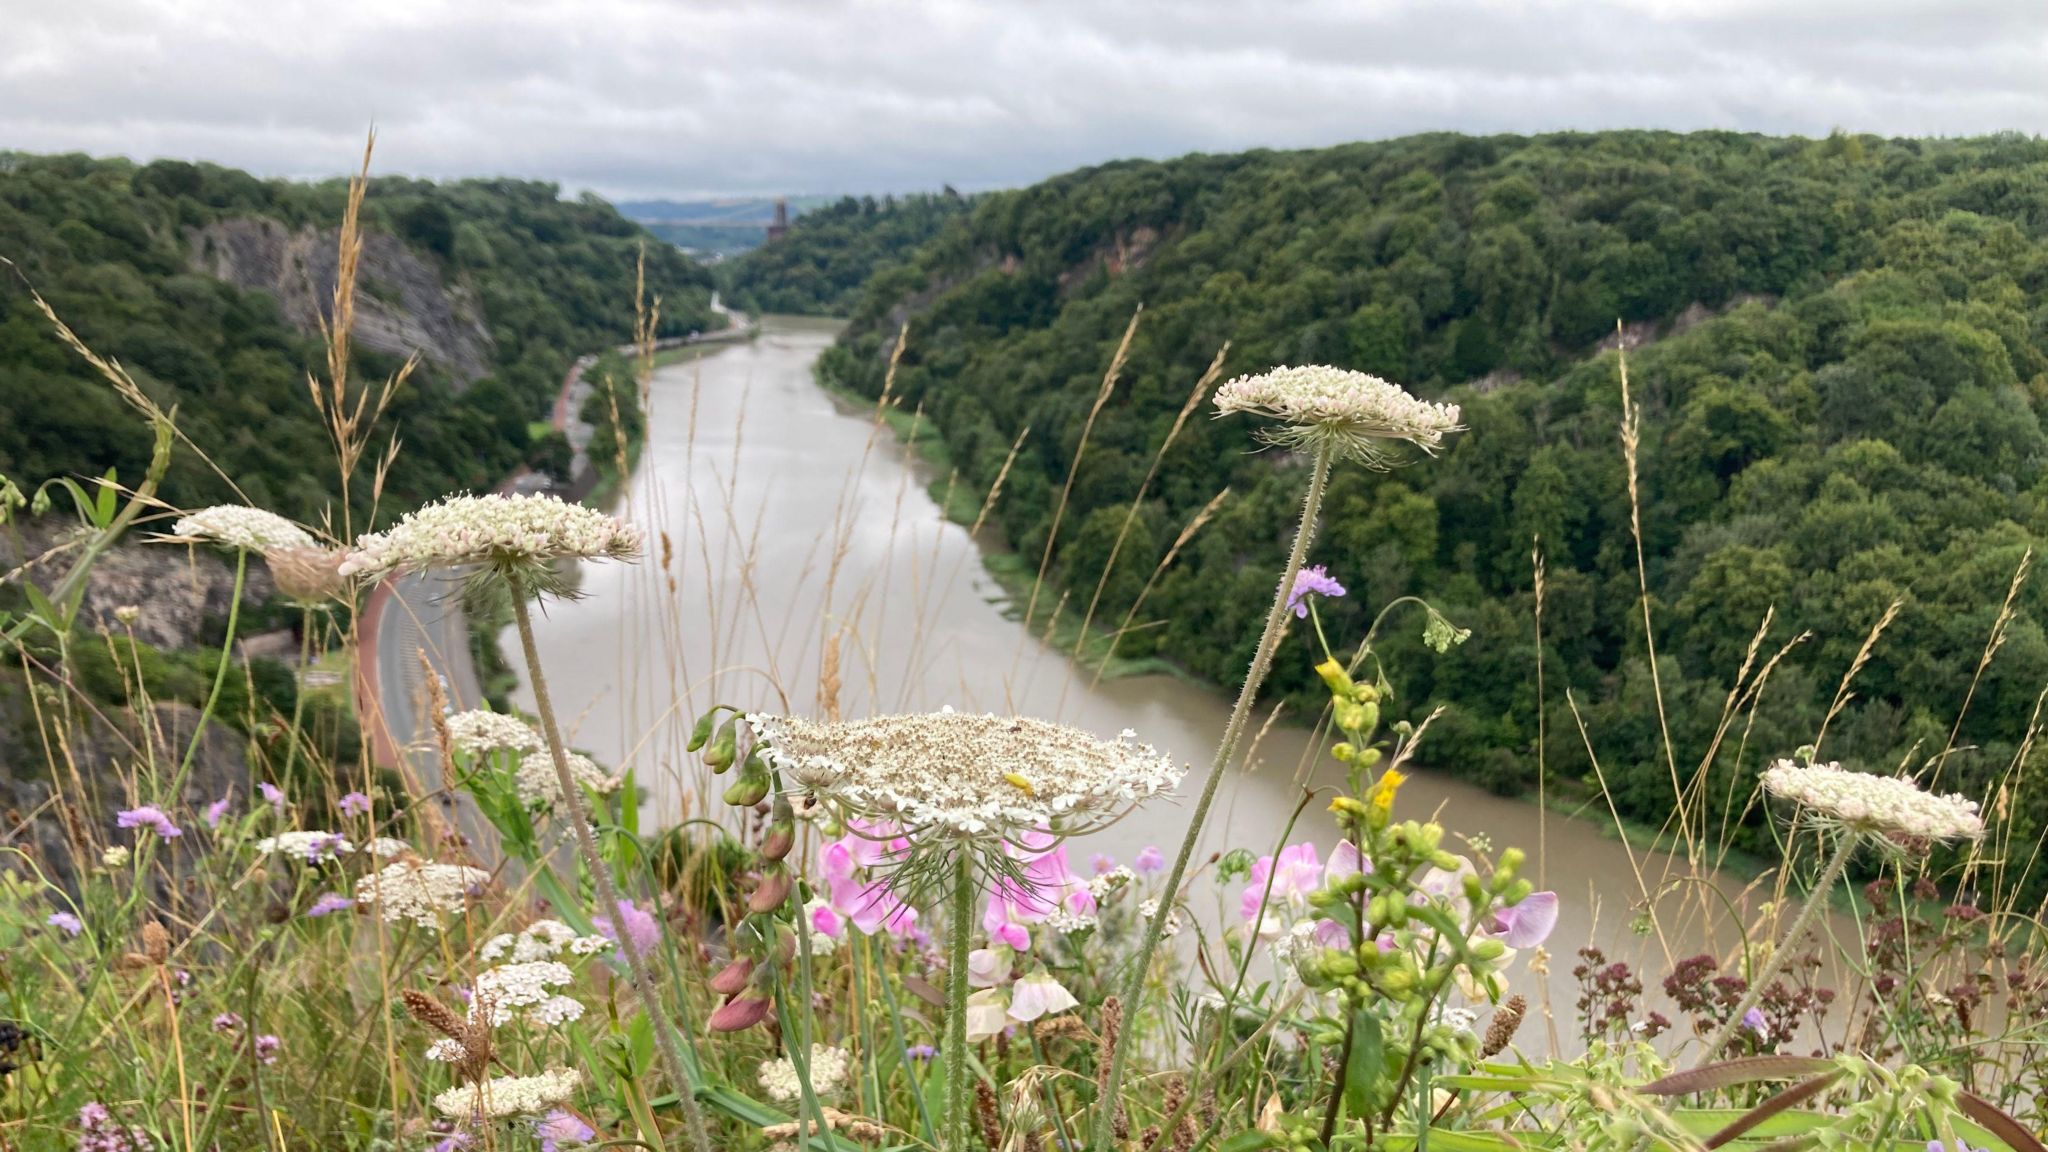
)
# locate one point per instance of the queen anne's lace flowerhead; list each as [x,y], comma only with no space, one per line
[240,528]
[495,531]
[421,893]
[510,1095]
[1883,806]
[478,733]
[509,987]
[1356,415]
[964,776]
[538,783]
[311,847]
[828,1071]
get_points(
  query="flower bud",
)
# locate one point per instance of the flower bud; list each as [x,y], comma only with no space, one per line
[750,789]
[1343,751]
[731,980]
[781,834]
[1488,949]
[772,891]
[739,1014]
[725,747]
[1334,675]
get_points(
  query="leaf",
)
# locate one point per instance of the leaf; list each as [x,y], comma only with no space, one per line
[103,508]
[1729,1073]
[1249,1140]
[1997,1122]
[923,990]
[1364,1063]
[1704,1122]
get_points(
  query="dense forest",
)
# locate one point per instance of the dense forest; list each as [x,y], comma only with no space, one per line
[832,254]
[1839,351]
[128,254]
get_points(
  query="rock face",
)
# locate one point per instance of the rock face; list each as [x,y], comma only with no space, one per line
[402,304]
[174,588]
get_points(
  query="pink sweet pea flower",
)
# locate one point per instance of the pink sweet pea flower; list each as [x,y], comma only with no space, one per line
[1296,873]
[1048,885]
[1038,994]
[1529,923]
[870,904]
[826,920]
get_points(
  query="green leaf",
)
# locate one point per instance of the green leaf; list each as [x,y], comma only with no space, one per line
[1364,1064]
[1729,1073]
[1249,1140]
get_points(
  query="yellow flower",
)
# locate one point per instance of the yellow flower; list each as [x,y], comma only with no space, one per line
[1382,797]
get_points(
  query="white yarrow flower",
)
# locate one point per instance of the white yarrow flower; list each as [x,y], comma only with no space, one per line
[521,985]
[957,775]
[495,531]
[828,1071]
[510,1095]
[539,784]
[1355,414]
[1884,806]
[420,893]
[237,527]
[477,733]
[311,847]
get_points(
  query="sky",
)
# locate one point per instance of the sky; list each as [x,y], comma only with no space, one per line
[653,98]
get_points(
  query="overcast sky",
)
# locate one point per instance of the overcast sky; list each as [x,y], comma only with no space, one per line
[671,97]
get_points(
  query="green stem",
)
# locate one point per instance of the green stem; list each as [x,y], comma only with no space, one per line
[291,752]
[608,892]
[1815,901]
[956,1004]
[220,672]
[1262,662]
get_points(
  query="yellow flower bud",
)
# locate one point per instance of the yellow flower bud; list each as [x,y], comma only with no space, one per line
[1334,675]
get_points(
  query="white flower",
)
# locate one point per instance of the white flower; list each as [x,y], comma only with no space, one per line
[1102,886]
[828,1071]
[386,847]
[420,893]
[1883,806]
[521,985]
[1353,413]
[1038,994]
[494,530]
[446,1050]
[510,1095]
[247,529]
[115,856]
[956,774]
[1150,908]
[555,1011]
[311,847]
[987,1013]
[539,784]
[1061,920]
[478,732]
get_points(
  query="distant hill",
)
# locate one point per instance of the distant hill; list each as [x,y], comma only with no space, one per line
[836,251]
[209,284]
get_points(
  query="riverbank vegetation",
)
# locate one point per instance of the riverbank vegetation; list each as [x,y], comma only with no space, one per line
[871,932]
[831,254]
[1838,368]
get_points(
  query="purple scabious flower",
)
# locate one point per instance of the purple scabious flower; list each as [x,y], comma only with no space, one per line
[272,795]
[218,810]
[558,1126]
[330,903]
[355,804]
[646,933]
[1102,862]
[1312,581]
[267,1047]
[1149,860]
[1755,1022]
[921,1052]
[148,816]
[65,922]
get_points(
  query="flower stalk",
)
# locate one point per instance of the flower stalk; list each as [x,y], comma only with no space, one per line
[1815,901]
[956,1002]
[1226,749]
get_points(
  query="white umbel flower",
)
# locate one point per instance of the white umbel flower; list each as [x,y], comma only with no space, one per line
[510,1095]
[311,847]
[420,893]
[1355,414]
[828,1072]
[1883,806]
[964,776]
[538,783]
[477,733]
[495,531]
[237,527]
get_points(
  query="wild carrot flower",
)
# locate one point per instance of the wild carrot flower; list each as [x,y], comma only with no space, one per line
[65,922]
[420,893]
[828,1071]
[1311,581]
[956,775]
[522,533]
[1353,413]
[478,733]
[1886,807]
[237,527]
[511,986]
[312,847]
[538,784]
[510,1095]
[148,816]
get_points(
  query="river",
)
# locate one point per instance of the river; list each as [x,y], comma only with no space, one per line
[778,517]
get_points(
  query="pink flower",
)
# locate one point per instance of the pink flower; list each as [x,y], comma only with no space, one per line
[1101,862]
[1038,994]
[640,925]
[1048,885]
[871,904]
[218,809]
[1529,923]
[267,1047]
[330,903]
[272,795]
[354,804]
[65,922]
[1149,860]
[1314,581]
[1293,876]
[558,1126]
[148,816]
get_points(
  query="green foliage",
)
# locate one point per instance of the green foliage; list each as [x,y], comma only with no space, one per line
[1847,354]
[820,266]
[110,245]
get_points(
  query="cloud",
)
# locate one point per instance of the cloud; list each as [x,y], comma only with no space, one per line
[661,97]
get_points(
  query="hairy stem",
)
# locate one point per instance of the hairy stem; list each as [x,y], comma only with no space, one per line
[956,1004]
[1815,901]
[220,672]
[608,892]
[1262,662]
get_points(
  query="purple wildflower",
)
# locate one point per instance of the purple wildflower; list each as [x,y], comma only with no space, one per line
[1755,1022]
[921,1052]
[1149,860]
[355,804]
[97,1132]
[1312,581]
[267,1047]
[646,933]
[65,922]
[329,903]
[453,1142]
[148,816]
[272,795]
[227,1022]
[558,1126]
[1101,862]
[218,810]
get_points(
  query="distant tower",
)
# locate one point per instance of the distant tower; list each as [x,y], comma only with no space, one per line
[781,223]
